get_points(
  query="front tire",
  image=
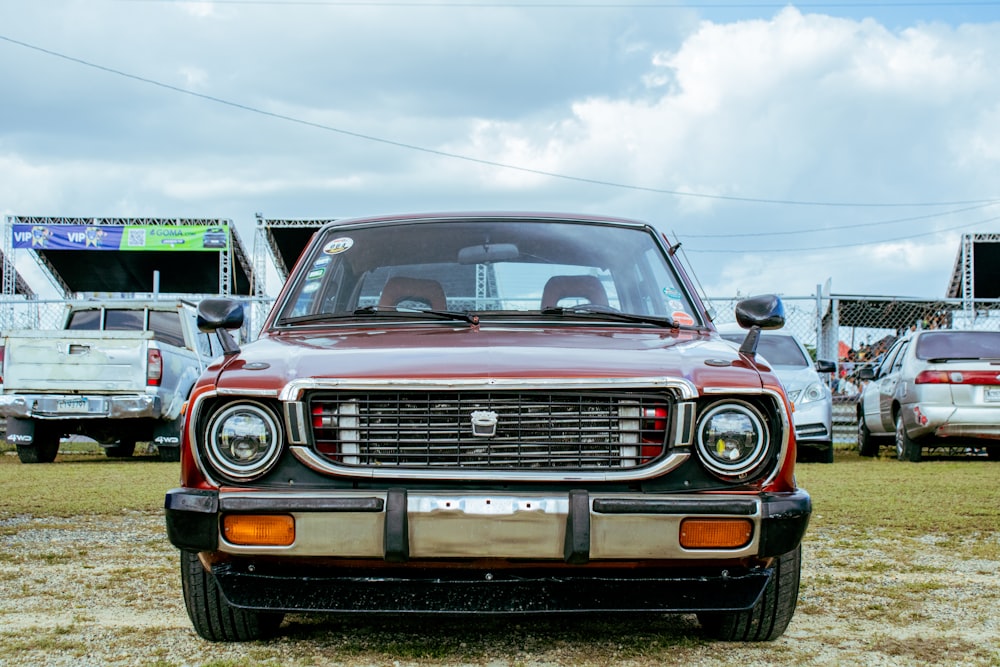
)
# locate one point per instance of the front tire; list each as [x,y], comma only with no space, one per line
[906,449]
[212,616]
[868,445]
[767,619]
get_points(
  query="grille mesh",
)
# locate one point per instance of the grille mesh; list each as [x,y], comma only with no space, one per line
[513,430]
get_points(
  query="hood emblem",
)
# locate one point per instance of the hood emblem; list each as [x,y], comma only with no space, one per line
[484,423]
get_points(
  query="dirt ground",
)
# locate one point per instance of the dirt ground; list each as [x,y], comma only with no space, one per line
[97,592]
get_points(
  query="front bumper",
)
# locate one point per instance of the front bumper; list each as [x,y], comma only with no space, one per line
[813,422]
[438,551]
[73,406]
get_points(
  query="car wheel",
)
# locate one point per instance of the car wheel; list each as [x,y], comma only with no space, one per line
[993,453]
[44,447]
[815,452]
[867,444]
[212,616]
[169,454]
[767,619]
[906,449]
[124,449]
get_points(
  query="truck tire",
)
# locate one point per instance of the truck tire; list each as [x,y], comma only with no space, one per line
[768,619]
[124,449]
[212,616]
[906,449]
[44,446]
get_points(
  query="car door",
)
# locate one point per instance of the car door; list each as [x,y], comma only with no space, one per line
[888,384]
[873,397]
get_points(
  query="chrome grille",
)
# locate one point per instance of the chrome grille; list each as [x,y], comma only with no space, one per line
[512,430]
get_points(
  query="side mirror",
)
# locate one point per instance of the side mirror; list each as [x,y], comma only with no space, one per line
[756,313]
[766,311]
[219,316]
[866,373]
[826,366]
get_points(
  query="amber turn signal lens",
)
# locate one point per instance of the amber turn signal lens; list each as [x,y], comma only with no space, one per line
[259,530]
[716,533]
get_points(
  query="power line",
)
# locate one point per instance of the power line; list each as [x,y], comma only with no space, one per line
[843,245]
[839,228]
[590,5]
[474,160]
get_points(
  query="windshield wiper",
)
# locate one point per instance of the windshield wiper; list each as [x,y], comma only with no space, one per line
[318,318]
[941,360]
[456,315]
[592,311]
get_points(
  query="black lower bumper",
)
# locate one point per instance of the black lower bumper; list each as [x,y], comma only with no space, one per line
[491,592]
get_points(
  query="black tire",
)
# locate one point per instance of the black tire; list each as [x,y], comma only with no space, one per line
[124,449]
[906,449]
[169,454]
[868,445]
[44,447]
[212,616]
[993,453]
[768,619]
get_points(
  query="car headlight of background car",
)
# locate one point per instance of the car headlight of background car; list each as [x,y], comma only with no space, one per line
[733,440]
[815,391]
[243,440]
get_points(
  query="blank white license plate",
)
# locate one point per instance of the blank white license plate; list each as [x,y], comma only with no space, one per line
[80,405]
[993,393]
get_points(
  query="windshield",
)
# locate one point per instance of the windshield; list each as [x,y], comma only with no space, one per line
[777,349]
[487,266]
[959,345]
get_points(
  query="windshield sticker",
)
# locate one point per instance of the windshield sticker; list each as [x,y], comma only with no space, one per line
[680,317]
[316,274]
[676,305]
[337,246]
[672,292]
[309,288]
[322,260]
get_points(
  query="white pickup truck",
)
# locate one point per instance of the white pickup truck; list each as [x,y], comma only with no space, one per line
[118,372]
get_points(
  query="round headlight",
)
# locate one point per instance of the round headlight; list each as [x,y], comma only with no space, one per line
[732,439]
[243,440]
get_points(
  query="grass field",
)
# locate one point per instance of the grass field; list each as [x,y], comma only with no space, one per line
[900,568]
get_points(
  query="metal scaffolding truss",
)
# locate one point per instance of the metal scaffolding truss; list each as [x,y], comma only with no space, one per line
[963,277]
[267,246]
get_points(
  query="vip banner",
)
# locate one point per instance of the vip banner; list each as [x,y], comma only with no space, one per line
[121,237]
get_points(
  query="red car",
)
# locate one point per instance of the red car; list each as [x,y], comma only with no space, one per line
[489,414]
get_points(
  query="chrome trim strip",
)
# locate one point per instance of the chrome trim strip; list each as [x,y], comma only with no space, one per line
[684,424]
[312,460]
[267,393]
[685,389]
[295,422]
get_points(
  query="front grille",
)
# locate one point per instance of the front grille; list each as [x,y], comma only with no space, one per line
[490,430]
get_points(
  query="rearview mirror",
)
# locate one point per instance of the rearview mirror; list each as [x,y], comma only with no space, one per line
[488,253]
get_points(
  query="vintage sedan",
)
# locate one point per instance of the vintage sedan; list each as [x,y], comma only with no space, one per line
[489,414]
[933,388]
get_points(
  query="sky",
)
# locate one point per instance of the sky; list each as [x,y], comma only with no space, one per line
[786,146]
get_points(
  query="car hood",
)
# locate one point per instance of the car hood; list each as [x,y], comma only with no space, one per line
[794,378]
[485,353]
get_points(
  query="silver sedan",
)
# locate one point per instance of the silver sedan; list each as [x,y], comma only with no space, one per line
[935,388]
